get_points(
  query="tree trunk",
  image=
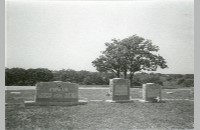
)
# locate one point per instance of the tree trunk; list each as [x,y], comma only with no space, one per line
[131,78]
[125,74]
[118,74]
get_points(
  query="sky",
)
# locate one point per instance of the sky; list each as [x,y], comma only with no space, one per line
[70,35]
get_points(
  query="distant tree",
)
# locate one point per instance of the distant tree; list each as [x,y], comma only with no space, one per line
[15,76]
[169,78]
[128,56]
[70,75]
[137,80]
[180,81]
[188,83]
[94,79]
[81,75]
[107,77]
[57,75]
[187,80]
[178,76]
[188,76]
[151,78]
[38,75]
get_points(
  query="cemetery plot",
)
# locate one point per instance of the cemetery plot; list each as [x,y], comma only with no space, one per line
[173,114]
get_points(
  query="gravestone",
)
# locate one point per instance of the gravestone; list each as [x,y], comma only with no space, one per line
[151,92]
[120,90]
[56,93]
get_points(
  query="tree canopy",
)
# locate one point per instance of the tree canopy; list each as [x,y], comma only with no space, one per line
[128,56]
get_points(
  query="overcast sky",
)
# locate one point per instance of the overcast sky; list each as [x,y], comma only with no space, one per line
[70,35]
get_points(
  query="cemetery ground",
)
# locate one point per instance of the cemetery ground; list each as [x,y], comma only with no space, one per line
[177,112]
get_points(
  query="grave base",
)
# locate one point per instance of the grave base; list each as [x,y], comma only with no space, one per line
[33,103]
[119,101]
[145,101]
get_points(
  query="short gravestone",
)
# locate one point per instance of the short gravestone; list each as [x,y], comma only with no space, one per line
[120,90]
[151,92]
[56,93]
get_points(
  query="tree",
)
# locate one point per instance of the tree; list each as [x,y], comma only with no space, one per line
[15,76]
[94,78]
[38,75]
[82,75]
[69,75]
[128,56]
[150,78]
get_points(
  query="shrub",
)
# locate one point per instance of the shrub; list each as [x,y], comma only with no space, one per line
[180,81]
[188,83]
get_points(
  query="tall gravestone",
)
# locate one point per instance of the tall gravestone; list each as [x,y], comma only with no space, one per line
[151,92]
[120,89]
[56,93]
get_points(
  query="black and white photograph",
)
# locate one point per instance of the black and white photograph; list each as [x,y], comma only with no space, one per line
[99,65]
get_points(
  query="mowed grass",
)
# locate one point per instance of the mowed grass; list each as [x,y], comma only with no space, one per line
[100,115]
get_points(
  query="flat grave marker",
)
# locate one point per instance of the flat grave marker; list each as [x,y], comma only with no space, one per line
[14,98]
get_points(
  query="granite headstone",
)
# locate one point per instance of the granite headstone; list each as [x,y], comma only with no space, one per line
[120,89]
[151,92]
[56,93]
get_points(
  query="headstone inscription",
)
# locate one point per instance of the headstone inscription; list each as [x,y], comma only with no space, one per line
[151,92]
[120,89]
[56,93]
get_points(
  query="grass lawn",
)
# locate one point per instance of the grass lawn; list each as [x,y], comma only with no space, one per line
[100,115]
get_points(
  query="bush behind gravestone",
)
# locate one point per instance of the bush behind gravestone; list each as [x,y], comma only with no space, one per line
[143,78]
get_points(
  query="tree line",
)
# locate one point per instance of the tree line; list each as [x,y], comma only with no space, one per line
[29,77]
[126,58]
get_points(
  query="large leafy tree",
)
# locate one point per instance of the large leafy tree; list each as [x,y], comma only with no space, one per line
[128,56]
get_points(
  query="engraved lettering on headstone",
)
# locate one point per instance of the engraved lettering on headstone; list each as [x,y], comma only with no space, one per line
[153,91]
[58,95]
[58,89]
[121,90]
